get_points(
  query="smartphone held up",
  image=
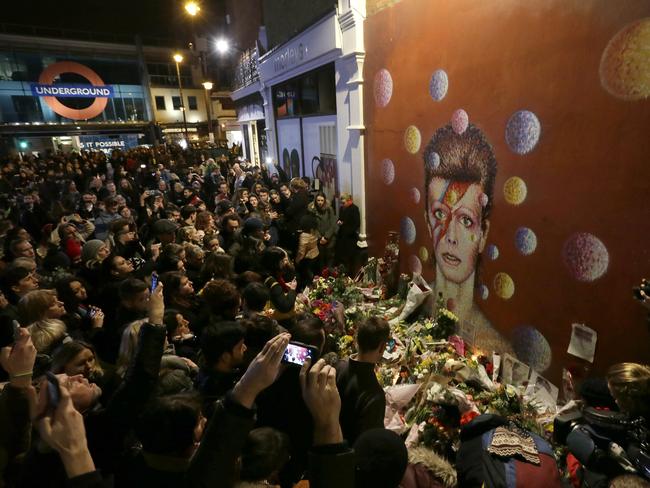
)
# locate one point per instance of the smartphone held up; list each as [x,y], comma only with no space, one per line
[297,353]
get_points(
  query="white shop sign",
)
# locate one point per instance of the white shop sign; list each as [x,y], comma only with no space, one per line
[317,41]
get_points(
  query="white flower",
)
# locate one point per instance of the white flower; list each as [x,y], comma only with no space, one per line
[434,392]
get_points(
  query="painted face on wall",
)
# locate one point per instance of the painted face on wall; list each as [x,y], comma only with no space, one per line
[454,217]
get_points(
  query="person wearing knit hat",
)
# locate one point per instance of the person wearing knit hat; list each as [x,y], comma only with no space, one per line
[382,459]
[252,226]
[94,252]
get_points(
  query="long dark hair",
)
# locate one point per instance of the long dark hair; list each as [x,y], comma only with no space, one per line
[217,266]
[65,293]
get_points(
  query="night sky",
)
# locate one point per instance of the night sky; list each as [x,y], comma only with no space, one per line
[157,18]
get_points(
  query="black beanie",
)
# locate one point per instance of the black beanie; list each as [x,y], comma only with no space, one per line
[381,459]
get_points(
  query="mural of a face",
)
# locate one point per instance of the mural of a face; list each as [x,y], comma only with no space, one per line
[454,218]
[460,169]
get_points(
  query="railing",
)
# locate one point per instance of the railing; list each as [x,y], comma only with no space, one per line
[246,72]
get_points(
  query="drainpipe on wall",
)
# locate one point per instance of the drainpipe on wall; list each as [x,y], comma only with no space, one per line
[144,79]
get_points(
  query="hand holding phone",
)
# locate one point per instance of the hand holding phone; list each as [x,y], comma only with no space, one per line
[15,327]
[154,281]
[17,357]
[53,391]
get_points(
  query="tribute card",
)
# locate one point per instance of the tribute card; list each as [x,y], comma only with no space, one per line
[514,372]
[583,342]
[542,390]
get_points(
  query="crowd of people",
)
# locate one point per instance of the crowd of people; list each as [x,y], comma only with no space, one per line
[147,301]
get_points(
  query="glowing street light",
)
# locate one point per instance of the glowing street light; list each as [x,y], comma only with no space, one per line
[178,58]
[192,8]
[208,86]
[223,46]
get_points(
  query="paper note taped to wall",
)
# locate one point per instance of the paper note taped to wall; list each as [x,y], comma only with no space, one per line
[583,342]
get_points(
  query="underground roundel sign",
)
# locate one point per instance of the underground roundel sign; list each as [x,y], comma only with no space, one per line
[50,92]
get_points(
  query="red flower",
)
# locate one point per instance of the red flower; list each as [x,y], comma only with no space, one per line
[467,417]
[325,273]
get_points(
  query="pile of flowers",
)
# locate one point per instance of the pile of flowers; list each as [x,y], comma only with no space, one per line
[334,286]
[454,382]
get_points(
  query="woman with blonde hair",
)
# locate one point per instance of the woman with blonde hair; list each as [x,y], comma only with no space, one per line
[129,346]
[41,311]
[629,384]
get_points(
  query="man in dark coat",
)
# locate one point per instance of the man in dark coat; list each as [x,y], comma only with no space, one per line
[363,401]
[348,234]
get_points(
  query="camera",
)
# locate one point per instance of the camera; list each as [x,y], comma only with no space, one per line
[604,441]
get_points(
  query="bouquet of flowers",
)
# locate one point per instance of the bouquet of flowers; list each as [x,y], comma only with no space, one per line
[445,320]
[334,286]
[331,314]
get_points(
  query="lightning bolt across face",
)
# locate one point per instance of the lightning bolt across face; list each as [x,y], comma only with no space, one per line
[452,193]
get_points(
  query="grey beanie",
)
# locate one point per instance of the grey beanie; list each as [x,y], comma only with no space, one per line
[90,250]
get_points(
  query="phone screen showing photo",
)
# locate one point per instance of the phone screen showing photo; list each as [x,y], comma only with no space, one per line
[295,354]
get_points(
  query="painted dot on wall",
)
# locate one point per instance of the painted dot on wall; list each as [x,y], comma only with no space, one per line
[532,347]
[483,292]
[459,121]
[526,241]
[585,256]
[432,160]
[492,251]
[383,87]
[515,190]
[504,287]
[424,254]
[412,139]
[407,228]
[414,195]
[522,131]
[387,171]
[624,67]
[438,85]
[415,265]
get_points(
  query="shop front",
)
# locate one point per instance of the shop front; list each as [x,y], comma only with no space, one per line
[312,87]
[62,103]
[250,115]
[311,100]
[302,110]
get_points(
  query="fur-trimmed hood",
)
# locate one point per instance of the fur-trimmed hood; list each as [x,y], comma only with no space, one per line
[440,472]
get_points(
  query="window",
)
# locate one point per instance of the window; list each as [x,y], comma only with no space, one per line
[191,103]
[176,103]
[160,103]
[27,108]
[313,93]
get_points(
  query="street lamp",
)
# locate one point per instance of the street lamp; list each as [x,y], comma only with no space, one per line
[208,86]
[178,58]
[192,8]
[223,46]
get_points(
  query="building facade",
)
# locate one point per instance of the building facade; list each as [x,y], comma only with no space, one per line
[67,93]
[307,94]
